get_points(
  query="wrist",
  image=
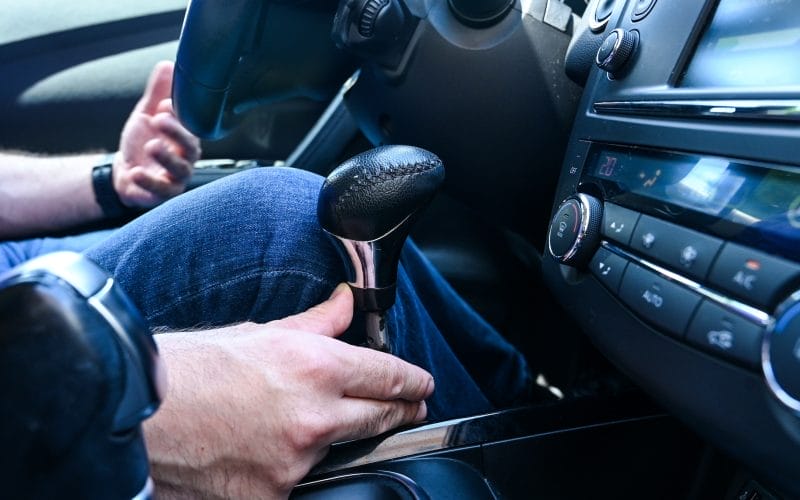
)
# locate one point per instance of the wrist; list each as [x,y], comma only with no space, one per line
[105,194]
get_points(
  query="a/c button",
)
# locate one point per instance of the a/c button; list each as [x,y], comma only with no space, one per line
[665,304]
[754,276]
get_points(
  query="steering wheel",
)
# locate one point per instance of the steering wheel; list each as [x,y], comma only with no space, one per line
[238,54]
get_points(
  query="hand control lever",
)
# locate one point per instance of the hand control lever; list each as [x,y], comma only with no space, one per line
[368,205]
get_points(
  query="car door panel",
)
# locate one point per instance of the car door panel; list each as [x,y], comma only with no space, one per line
[71,73]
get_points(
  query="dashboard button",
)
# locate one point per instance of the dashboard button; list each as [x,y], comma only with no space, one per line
[684,250]
[664,303]
[641,8]
[603,10]
[618,223]
[718,331]
[608,267]
[756,277]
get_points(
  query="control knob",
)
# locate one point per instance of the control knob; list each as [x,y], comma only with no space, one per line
[616,50]
[574,232]
[780,353]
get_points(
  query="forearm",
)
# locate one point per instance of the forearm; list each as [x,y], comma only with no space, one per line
[182,436]
[40,194]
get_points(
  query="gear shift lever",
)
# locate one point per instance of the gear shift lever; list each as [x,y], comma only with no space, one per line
[368,205]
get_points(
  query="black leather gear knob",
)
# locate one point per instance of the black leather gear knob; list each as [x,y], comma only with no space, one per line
[369,204]
[373,192]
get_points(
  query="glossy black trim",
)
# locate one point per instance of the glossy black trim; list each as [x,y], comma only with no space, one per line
[482,429]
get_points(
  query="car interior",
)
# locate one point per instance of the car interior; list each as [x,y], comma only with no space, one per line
[621,200]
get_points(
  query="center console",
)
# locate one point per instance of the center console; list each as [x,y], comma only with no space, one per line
[675,236]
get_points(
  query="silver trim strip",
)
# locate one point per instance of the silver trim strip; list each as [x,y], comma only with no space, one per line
[586,218]
[744,310]
[583,229]
[408,483]
[750,109]
[427,438]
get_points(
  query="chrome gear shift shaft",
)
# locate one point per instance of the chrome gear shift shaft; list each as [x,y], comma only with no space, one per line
[368,205]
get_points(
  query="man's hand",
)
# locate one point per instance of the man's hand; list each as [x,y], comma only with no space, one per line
[156,153]
[252,408]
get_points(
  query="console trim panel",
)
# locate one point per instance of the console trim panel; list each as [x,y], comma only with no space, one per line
[545,418]
[755,109]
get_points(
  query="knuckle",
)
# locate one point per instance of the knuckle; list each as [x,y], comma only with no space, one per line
[316,366]
[388,415]
[309,431]
[396,386]
[393,414]
[382,421]
[394,377]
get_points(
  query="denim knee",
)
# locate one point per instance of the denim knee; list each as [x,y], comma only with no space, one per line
[245,247]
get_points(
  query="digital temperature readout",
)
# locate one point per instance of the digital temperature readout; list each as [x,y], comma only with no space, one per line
[763,199]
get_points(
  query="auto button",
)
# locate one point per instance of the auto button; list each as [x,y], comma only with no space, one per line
[658,300]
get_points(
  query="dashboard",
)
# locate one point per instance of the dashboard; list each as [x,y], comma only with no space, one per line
[674,236]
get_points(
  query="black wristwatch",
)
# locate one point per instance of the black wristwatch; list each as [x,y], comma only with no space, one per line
[104,191]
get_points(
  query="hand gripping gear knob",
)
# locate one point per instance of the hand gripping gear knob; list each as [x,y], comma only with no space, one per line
[368,205]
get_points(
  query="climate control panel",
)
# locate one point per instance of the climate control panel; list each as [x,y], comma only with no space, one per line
[723,298]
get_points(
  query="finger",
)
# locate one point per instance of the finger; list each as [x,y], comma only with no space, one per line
[330,318]
[377,375]
[170,126]
[156,185]
[159,87]
[175,165]
[364,418]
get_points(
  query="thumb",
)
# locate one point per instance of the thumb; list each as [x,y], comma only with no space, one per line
[159,87]
[330,318]
[165,106]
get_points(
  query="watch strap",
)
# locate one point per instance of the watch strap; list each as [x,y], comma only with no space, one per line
[104,192]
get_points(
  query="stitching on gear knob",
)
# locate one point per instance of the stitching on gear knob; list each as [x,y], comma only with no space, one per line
[373,192]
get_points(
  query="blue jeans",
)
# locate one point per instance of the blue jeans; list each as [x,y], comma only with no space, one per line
[248,248]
